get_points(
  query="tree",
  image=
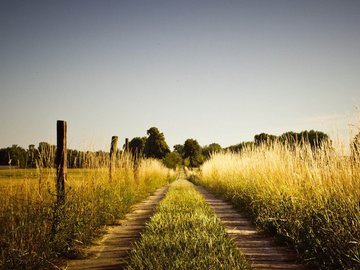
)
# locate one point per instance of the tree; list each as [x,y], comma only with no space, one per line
[172,160]
[46,155]
[192,152]
[290,138]
[179,148]
[211,148]
[264,138]
[4,156]
[241,146]
[32,156]
[136,146]
[316,139]
[155,146]
[13,156]
[73,158]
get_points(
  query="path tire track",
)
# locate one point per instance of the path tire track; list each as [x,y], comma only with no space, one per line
[260,250]
[112,251]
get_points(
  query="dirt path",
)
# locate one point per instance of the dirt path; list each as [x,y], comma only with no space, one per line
[259,249]
[111,252]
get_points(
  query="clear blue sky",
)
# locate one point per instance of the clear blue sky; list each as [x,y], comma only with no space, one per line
[216,71]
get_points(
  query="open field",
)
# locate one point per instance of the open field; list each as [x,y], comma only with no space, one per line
[184,233]
[309,199]
[34,233]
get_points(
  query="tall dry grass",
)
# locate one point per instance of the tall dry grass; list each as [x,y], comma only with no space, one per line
[30,237]
[310,199]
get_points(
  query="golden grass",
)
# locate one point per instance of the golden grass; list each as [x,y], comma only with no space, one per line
[30,236]
[310,199]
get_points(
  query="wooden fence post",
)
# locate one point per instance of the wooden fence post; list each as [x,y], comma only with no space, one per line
[127,148]
[61,161]
[113,148]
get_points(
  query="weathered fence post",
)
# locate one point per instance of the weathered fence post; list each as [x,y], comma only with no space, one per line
[61,161]
[61,174]
[113,148]
[127,145]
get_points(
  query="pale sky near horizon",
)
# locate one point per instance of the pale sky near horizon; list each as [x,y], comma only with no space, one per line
[215,71]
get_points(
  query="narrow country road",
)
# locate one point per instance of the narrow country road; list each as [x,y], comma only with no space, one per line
[259,249]
[112,251]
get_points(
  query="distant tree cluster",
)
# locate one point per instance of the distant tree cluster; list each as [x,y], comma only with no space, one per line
[193,156]
[241,146]
[152,146]
[208,150]
[315,139]
[189,154]
[14,156]
[155,145]
[173,160]
[264,138]
[44,157]
[137,146]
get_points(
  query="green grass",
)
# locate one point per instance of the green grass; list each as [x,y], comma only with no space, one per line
[184,233]
[29,236]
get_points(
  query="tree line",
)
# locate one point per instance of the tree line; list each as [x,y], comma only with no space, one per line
[191,154]
[154,145]
[44,156]
[312,138]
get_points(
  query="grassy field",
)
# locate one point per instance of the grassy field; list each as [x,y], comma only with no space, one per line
[311,200]
[29,236]
[185,234]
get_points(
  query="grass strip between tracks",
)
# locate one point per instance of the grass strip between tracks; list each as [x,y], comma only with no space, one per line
[184,233]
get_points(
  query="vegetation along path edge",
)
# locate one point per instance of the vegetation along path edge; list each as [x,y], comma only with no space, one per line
[112,251]
[260,250]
